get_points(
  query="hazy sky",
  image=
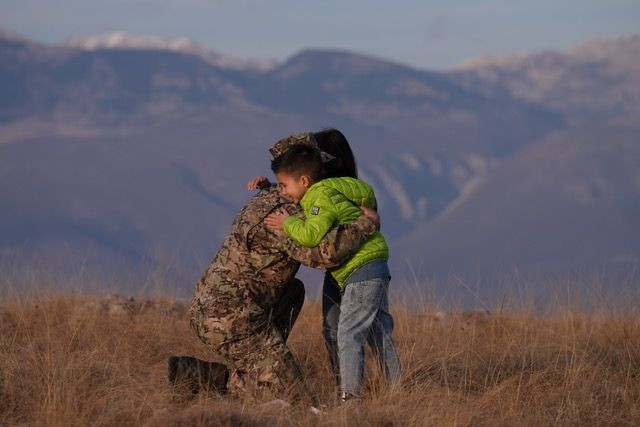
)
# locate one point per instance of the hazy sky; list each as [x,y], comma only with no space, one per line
[428,34]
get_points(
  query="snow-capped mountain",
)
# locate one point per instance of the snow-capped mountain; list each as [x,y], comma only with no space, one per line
[595,81]
[122,40]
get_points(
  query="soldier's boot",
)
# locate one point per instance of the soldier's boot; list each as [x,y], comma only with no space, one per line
[191,375]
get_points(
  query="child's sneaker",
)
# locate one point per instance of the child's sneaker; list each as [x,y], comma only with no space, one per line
[344,397]
[316,411]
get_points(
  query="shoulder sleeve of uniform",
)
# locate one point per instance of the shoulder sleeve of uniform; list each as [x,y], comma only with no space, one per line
[248,220]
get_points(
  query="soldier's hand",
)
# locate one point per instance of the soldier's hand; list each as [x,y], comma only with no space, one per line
[275,221]
[258,182]
[373,215]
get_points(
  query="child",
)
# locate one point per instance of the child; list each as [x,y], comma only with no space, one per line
[364,278]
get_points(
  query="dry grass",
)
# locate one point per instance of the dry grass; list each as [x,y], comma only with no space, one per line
[64,362]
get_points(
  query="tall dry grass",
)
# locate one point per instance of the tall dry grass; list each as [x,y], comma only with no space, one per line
[65,362]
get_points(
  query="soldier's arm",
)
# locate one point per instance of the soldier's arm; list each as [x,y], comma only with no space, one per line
[337,246]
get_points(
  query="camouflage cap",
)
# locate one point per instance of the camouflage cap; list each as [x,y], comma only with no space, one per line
[284,144]
[307,138]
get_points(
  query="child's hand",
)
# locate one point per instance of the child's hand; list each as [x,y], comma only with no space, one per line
[275,221]
[258,182]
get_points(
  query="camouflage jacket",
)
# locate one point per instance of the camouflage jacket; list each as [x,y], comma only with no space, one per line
[258,261]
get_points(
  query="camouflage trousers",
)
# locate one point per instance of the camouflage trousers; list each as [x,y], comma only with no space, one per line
[252,340]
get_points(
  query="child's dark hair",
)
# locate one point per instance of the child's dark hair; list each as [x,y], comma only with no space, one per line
[300,160]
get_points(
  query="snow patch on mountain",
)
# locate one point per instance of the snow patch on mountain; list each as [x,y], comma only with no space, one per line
[595,50]
[12,37]
[411,161]
[396,191]
[121,40]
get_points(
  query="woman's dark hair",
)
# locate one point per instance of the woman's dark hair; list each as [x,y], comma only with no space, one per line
[332,141]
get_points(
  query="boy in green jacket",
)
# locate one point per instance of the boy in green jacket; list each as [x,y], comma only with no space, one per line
[364,278]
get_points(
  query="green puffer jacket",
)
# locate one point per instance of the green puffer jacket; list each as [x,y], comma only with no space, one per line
[328,203]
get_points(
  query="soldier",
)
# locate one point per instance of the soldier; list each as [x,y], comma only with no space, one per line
[247,301]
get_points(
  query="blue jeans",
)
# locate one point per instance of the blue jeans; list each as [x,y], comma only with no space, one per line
[364,317]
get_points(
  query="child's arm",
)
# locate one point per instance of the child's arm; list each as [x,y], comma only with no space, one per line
[310,231]
[321,216]
[337,246]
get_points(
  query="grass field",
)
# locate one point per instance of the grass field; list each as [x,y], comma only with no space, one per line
[67,360]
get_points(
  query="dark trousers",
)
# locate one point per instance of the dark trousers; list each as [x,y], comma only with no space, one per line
[288,307]
[331,297]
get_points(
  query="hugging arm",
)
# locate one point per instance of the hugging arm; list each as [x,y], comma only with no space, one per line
[337,246]
[309,232]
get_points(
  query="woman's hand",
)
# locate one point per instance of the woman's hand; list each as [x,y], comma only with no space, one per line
[275,221]
[258,182]
[373,215]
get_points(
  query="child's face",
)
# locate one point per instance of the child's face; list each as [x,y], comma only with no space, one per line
[293,188]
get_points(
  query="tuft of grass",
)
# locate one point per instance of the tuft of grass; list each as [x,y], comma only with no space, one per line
[65,360]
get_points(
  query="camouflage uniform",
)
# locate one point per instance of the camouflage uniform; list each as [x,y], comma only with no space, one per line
[248,299]
[282,146]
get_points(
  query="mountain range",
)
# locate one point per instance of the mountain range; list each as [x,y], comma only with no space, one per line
[119,154]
